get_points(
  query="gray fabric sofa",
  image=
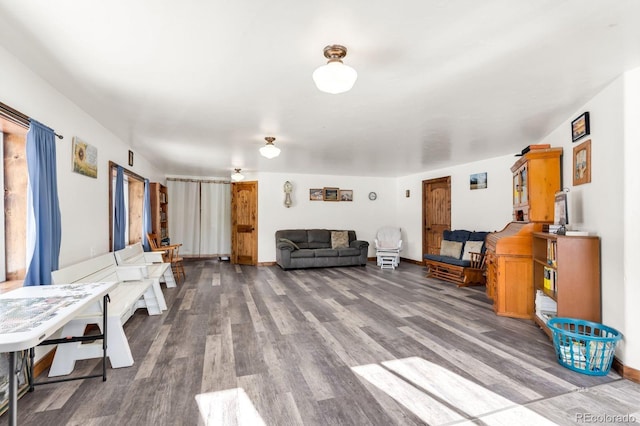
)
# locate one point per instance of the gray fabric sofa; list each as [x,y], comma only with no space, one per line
[311,248]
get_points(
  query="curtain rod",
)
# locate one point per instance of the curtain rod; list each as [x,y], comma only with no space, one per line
[197,180]
[17,117]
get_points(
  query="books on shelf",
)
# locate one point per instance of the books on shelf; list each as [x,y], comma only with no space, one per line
[552,249]
[545,307]
[550,278]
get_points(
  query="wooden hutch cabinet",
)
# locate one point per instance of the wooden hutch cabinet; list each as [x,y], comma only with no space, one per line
[536,179]
[159,212]
[566,269]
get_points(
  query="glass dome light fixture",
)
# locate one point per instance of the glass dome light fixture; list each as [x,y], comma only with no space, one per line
[335,77]
[270,150]
[237,176]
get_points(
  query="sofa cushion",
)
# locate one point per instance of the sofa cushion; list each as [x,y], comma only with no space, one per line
[348,251]
[451,248]
[339,239]
[445,259]
[460,235]
[326,252]
[471,246]
[298,236]
[318,238]
[303,253]
[477,236]
[284,240]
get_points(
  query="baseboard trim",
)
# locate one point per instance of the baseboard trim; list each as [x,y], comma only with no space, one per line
[402,259]
[44,363]
[267,263]
[625,371]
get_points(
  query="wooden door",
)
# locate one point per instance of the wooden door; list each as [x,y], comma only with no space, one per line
[244,223]
[436,212]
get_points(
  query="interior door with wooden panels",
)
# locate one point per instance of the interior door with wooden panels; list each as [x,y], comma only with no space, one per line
[244,223]
[436,212]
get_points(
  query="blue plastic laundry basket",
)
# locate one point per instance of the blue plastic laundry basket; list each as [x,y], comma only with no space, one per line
[584,346]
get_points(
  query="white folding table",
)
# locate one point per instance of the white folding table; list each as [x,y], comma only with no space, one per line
[30,315]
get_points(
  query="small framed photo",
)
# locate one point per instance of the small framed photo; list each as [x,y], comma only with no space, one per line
[478,181]
[346,195]
[582,163]
[580,127]
[315,194]
[330,194]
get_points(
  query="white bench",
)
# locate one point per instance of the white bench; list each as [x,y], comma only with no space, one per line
[134,291]
[134,254]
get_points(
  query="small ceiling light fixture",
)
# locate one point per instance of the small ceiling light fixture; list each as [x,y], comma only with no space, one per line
[335,77]
[270,150]
[237,176]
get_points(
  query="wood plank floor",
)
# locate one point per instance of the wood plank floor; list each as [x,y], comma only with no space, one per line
[341,346]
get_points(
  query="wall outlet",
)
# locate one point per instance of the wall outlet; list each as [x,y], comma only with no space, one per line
[92,251]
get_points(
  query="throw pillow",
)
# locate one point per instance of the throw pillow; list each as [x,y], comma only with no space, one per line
[471,247]
[284,240]
[339,239]
[450,248]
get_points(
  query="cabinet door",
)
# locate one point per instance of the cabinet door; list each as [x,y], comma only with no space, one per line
[524,184]
[514,292]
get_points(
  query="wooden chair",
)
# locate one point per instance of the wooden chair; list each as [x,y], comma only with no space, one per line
[474,274]
[170,254]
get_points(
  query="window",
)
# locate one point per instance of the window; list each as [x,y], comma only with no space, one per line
[134,202]
[13,138]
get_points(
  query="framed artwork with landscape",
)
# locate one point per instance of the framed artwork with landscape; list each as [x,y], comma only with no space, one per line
[330,194]
[580,127]
[315,194]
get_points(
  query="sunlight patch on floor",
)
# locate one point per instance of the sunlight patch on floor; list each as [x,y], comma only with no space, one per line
[439,396]
[230,407]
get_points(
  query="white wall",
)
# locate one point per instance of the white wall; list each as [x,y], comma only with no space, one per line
[631,293]
[599,206]
[477,210]
[84,201]
[361,214]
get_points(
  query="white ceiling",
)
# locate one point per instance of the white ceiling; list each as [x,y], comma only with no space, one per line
[196,85]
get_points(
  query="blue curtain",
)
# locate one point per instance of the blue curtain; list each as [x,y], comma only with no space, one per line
[146,216]
[119,214]
[44,233]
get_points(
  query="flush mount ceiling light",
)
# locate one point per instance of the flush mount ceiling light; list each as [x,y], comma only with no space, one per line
[237,176]
[335,77]
[270,150]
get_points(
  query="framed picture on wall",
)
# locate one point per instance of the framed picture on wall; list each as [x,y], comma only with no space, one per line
[330,194]
[478,181]
[580,127]
[582,163]
[84,158]
[346,195]
[315,194]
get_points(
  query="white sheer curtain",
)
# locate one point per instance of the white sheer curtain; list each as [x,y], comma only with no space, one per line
[200,217]
[184,215]
[215,219]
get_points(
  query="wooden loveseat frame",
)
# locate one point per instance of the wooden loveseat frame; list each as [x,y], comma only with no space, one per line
[455,270]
